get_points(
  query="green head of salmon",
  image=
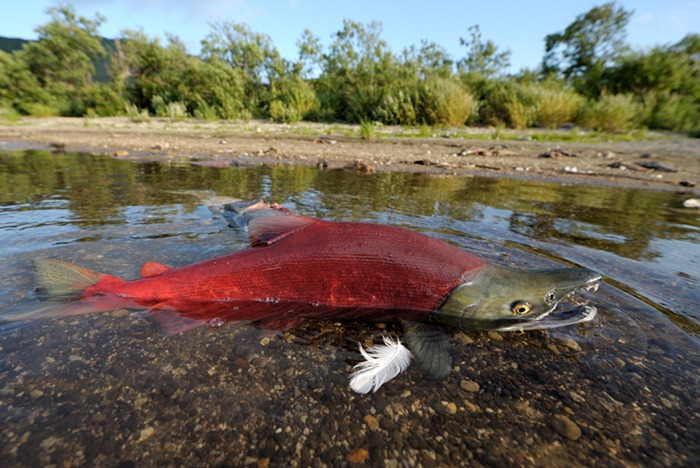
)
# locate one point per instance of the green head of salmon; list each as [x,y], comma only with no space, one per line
[498,298]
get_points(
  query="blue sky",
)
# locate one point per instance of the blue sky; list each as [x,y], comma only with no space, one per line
[518,26]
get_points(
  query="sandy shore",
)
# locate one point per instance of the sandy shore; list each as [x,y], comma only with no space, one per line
[668,162]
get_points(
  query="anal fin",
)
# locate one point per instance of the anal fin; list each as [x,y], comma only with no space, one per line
[430,348]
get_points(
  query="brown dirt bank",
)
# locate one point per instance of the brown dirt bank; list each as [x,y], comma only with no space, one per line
[642,163]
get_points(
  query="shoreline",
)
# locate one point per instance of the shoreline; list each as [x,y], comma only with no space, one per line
[469,152]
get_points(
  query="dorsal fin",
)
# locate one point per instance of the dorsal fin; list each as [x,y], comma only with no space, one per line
[153,269]
[269,229]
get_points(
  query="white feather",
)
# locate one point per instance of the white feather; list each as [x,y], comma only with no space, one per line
[382,364]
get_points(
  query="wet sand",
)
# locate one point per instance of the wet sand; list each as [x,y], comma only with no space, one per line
[643,163]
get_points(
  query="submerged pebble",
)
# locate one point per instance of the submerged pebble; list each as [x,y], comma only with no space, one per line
[469,385]
[565,427]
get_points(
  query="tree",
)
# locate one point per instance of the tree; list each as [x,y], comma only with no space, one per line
[581,52]
[252,54]
[483,58]
[431,59]
[310,52]
[67,48]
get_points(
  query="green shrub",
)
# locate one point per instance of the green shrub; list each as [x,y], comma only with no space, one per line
[159,106]
[668,111]
[205,112]
[612,113]
[293,99]
[557,106]
[445,102]
[396,107]
[102,100]
[521,114]
[176,111]
[132,111]
[36,109]
[9,115]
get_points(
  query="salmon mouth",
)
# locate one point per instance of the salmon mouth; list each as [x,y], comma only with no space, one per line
[560,315]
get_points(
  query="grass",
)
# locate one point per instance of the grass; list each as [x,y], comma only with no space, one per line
[367,130]
[9,115]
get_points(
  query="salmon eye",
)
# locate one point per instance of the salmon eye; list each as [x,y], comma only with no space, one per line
[520,307]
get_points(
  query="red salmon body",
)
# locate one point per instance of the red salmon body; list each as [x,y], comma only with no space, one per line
[302,268]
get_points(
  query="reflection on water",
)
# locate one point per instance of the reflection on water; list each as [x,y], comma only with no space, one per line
[112,215]
[43,194]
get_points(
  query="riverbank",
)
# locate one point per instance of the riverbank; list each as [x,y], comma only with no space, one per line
[660,161]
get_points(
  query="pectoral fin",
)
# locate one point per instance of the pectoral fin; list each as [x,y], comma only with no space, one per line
[430,347]
[170,322]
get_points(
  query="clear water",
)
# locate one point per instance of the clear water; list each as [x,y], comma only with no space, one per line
[107,388]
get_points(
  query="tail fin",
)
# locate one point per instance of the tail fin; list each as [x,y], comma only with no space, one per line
[62,281]
[58,283]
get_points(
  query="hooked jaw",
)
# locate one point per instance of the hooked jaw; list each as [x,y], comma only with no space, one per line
[499,298]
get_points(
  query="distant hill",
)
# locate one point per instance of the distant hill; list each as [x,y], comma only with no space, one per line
[10,44]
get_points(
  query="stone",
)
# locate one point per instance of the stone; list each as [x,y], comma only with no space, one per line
[565,427]
[357,456]
[372,422]
[469,385]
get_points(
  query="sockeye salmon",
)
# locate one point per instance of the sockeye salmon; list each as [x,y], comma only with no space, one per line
[300,268]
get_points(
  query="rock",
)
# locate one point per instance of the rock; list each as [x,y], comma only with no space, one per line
[372,422]
[451,408]
[361,167]
[463,338]
[357,456]
[692,203]
[569,343]
[565,427]
[494,335]
[469,385]
[146,433]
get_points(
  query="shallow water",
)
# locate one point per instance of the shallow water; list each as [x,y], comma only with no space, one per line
[109,389]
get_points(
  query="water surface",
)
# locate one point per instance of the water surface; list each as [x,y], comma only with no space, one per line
[108,387]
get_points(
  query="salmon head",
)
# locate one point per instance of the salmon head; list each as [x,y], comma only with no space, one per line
[499,298]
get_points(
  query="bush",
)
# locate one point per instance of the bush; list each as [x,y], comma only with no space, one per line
[538,105]
[557,106]
[671,112]
[612,113]
[293,100]
[9,115]
[36,109]
[205,112]
[396,107]
[445,102]
[176,111]
[102,100]
[158,105]
[132,111]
